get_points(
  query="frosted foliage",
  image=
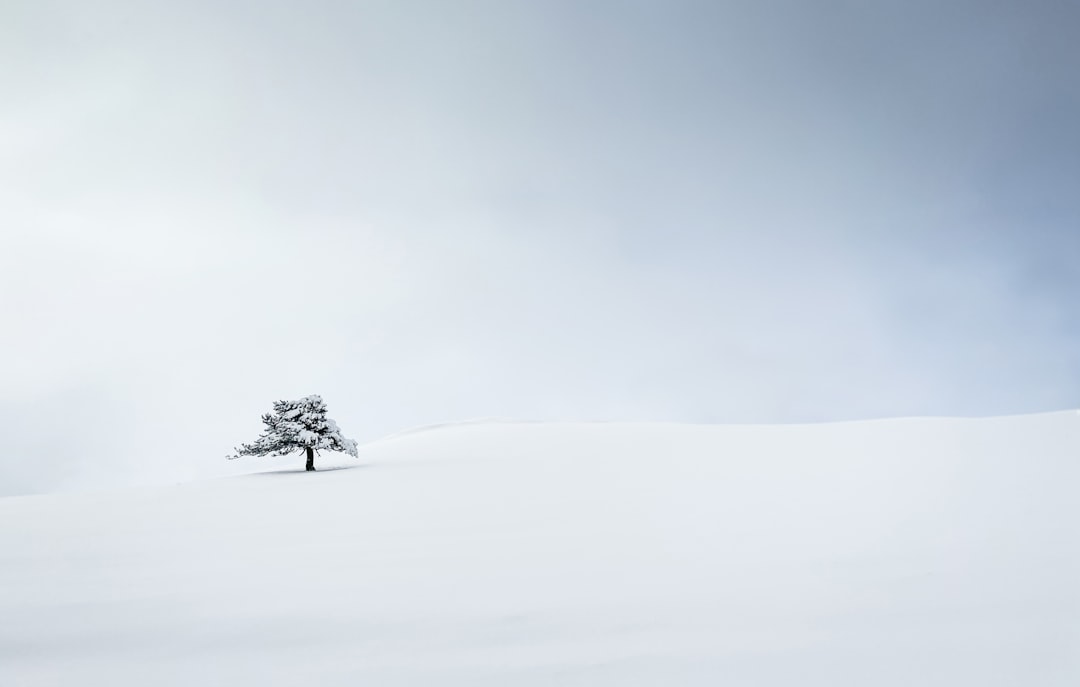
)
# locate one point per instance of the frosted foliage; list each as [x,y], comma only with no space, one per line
[296,426]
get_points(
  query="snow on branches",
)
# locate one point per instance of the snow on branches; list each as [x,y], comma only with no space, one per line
[297,426]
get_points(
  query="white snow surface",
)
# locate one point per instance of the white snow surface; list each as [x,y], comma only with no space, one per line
[929,552]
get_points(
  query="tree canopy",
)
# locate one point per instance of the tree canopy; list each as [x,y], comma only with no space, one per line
[297,426]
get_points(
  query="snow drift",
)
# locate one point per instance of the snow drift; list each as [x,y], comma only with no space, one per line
[925,552]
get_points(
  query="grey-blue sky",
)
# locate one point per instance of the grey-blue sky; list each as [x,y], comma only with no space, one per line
[427,211]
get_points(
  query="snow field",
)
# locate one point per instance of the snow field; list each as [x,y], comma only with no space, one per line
[931,552]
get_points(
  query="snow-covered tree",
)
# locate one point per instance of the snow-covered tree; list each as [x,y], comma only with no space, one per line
[298,426]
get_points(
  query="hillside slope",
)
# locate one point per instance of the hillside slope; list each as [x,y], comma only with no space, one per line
[926,552]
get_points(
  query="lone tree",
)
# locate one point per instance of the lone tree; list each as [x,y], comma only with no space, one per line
[298,426]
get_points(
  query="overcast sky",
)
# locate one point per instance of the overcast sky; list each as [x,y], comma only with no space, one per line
[778,211]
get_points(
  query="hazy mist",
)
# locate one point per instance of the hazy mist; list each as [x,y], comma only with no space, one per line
[436,211]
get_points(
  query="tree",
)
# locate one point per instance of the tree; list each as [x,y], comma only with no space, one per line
[298,426]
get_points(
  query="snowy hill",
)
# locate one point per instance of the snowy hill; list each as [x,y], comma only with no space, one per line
[925,552]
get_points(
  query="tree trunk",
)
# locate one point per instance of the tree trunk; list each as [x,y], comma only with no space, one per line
[310,460]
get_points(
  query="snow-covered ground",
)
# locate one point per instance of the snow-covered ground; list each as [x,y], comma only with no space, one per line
[926,552]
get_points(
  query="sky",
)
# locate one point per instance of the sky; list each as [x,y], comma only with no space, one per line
[599,210]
